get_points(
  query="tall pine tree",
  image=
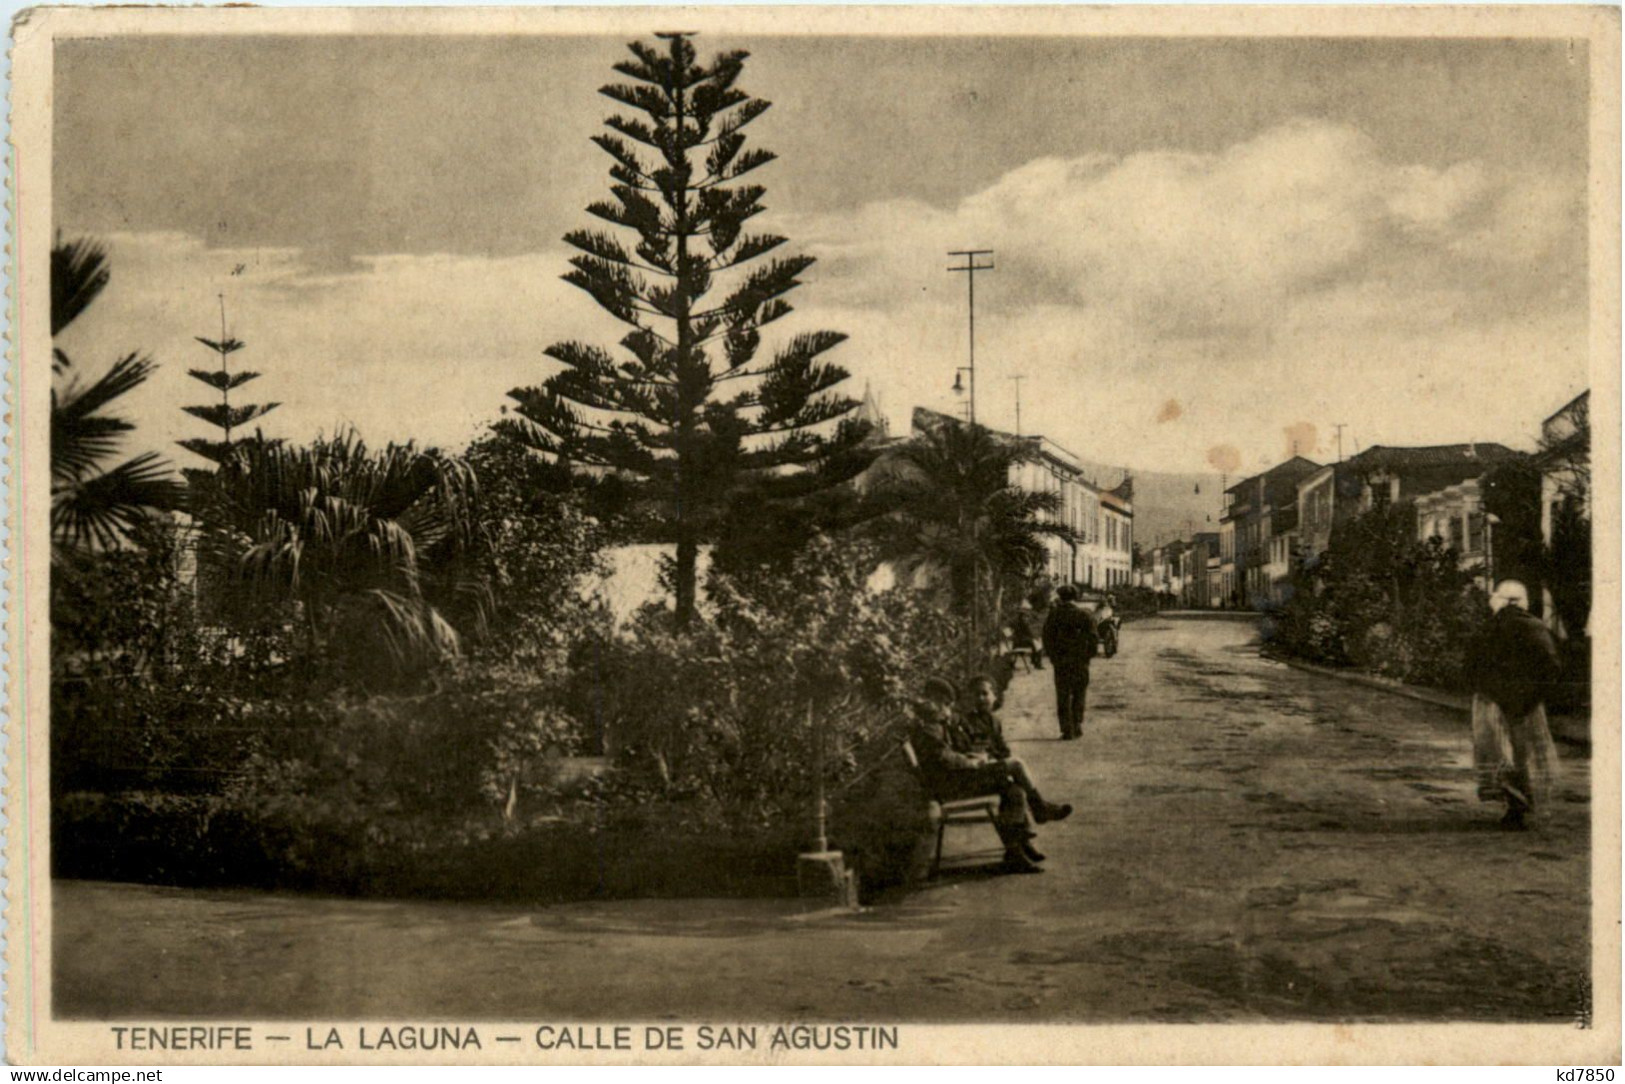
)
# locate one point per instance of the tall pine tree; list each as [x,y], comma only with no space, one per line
[222,415]
[688,408]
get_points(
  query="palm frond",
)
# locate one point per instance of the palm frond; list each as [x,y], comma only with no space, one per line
[81,436]
[79,272]
[344,529]
[102,509]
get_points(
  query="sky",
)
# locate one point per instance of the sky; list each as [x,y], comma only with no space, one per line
[1209,252]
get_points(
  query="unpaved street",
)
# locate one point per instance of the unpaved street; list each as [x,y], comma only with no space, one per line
[1252,842]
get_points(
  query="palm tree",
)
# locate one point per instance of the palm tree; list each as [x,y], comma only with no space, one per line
[368,549]
[954,511]
[94,506]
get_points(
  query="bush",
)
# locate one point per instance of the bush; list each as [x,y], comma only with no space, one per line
[1379,600]
[186,755]
[303,844]
[721,719]
[143,695]
[452,752]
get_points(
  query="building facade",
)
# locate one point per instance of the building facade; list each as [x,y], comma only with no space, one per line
[1565,463]
[1055,470]
[1228,594]
[1282,553]
[1101,520]
[1201,560]
[1316,498]
[1382,476]
[1455,516]
[1565,511]
[1250,513]
[1117,536]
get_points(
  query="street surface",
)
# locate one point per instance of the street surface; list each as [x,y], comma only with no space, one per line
[1251,843]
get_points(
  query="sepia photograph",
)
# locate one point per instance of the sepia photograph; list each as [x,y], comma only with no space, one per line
[834,535]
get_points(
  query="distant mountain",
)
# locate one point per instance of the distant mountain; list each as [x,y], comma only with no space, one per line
[1166,506]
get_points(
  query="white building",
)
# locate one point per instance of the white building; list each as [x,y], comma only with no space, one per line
[1455,516]
[1116,549]
[1565,461]
[1056,470]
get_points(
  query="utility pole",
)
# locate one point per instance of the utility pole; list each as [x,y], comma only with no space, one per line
[1016,380]
[971,266]
[1340,426]
[970,269]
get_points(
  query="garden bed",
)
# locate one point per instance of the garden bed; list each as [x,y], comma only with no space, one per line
[202,841]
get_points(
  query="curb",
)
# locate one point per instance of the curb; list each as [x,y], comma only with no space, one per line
[1462,704]
[1387,685]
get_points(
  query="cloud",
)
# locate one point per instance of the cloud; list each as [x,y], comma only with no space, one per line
[405,347]
[1301,277]
[1226,281]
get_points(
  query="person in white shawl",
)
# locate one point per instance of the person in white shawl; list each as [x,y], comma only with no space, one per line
[1513,663]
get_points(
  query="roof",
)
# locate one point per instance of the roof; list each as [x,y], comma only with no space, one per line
[1296,465]
[924,419]
[1568,407]
[1382,457]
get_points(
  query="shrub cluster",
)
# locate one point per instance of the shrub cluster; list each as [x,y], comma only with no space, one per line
[186,751]
[722,726]
[1382,601]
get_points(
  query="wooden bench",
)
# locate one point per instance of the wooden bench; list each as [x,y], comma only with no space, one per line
[983,809]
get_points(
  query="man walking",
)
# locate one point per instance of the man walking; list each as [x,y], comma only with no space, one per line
[1513,664]
[1070,640]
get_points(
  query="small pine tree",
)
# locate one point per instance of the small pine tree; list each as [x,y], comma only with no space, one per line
[222,415]
[659,415]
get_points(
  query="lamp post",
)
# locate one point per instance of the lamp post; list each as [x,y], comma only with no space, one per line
[821,874]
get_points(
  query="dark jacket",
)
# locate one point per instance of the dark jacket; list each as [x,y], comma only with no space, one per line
[985,733]
[1514,661]
[1021,631]
[940,742]
[1070,638]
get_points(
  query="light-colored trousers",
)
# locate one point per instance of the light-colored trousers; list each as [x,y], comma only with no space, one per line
[1515,759]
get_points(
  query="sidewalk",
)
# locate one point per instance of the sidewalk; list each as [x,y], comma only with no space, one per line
[1572,729]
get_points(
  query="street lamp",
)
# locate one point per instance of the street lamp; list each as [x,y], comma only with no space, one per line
[959,388]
